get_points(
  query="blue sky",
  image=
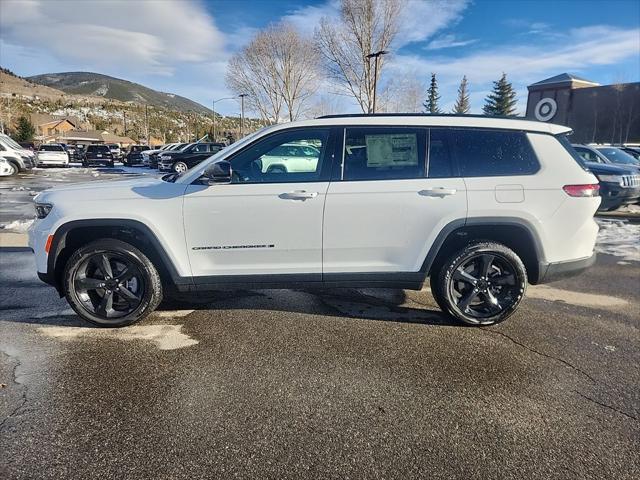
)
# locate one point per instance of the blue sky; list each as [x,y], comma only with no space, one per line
[182,46]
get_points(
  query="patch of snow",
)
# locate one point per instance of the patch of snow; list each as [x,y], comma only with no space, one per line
[165,337]
[635,209]
[20,226]
[620,238]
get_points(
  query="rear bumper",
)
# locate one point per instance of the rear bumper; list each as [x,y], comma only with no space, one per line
[550,272]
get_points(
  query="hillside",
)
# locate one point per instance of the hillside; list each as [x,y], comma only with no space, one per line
[13,85]
[95,84]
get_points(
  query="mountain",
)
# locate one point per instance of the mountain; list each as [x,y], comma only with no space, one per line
[96,84]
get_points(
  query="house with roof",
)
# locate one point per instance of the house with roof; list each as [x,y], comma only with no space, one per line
[596,113]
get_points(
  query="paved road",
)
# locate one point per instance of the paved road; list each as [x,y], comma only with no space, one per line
[333,384]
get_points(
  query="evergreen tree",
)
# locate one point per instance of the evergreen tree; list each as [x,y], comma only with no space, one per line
[502,101]
[431,104]
[462,105]
[25,130]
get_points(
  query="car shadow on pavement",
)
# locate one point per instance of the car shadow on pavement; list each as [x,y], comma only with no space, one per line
[380,304]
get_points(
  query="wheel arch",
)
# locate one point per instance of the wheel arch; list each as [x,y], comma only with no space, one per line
[72,235]
[516,233]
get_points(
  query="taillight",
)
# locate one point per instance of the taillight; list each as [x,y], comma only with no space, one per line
[588,190]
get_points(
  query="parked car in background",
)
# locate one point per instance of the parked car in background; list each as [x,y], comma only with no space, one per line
[20,158]
[6,169]
[80,151]
[633,151]
[146,153]
[115,150]
[152,161]
[134,155]
[292,158]
[27,145]
[605,154]
[98,155]
[52,154]
[619,184]
[188,157]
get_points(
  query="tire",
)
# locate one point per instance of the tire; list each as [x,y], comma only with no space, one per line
[14,169]
[180,167]
[141,283]
[481,284]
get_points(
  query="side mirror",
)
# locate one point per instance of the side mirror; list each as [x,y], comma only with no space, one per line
[219,172]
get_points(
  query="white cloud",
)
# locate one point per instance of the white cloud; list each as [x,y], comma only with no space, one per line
[150,36]
[448,41]
[579,49]
[420,19]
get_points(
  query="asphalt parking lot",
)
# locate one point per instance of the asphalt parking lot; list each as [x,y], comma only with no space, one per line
[329,384]
[332,384]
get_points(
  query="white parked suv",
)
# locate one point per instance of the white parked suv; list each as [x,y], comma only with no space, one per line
[481,206]
[52,154]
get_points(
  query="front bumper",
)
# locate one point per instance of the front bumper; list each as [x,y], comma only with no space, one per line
[550,272]
[165,166]
[614,195]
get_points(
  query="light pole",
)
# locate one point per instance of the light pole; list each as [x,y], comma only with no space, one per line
[242,95]
[375,73]
[213,109]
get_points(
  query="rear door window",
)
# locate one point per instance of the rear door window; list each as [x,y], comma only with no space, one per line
[489,153]
[439,163]
[384,153]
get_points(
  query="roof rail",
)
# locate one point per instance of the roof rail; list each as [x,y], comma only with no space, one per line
[462,115]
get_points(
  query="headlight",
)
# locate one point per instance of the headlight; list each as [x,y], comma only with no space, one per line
[43,209]
[611,179]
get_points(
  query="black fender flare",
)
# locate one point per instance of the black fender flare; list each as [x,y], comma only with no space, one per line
[60,238]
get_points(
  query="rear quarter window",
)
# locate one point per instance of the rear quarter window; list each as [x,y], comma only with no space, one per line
[489,153]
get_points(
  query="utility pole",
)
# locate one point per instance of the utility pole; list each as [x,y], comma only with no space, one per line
[242,95]
[124,122]
[146,120]
[213,109]
[375,55]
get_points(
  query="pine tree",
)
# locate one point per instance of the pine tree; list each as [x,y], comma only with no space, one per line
[25,130]
[431,104]
[502,101]
[462,104]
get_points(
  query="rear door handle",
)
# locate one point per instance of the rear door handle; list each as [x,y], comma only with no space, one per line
[437,192]
[298,195]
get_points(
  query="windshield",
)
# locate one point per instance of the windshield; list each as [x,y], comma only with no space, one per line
[51,148]
[616,155]
[97,148]
[564,141]
[12,143]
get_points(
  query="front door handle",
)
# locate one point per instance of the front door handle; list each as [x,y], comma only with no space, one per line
[298,195]
[437,192]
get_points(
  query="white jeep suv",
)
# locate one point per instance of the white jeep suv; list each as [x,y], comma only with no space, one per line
[481,206]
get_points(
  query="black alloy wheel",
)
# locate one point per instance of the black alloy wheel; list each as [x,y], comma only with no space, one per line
[111,283]
[481,285]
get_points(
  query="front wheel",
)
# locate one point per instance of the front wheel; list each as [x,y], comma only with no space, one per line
[13,169]
[111,283]
[180,167]
[480,285]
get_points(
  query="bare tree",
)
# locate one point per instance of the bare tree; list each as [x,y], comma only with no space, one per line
[402,95]
[278,70]
[365,26]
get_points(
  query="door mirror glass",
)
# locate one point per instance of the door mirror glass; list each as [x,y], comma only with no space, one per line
[218,172]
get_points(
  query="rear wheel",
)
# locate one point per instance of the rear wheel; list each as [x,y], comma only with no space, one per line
[482,284]
[111,283]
